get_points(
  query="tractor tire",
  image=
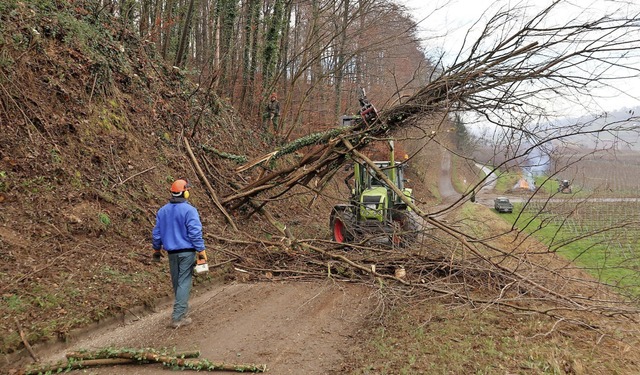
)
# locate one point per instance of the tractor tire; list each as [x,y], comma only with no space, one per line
[342,223]
[406,228]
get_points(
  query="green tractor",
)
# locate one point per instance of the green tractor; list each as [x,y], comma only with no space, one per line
[374,208]
[564,187]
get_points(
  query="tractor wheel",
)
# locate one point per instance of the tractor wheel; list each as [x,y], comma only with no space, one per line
[406,227]
[342,223]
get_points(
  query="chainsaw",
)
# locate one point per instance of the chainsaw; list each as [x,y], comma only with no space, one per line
[201,266]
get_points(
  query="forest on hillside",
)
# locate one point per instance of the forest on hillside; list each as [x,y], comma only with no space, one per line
[314,54]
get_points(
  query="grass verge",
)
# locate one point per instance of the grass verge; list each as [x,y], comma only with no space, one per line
[438,339]
[586,244]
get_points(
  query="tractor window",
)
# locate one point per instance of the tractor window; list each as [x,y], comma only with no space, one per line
[375,181]
[388,172]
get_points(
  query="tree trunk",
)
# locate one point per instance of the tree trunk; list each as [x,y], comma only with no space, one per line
[184,39]
[271,52]
[166,28]
[340,57]
[145,10]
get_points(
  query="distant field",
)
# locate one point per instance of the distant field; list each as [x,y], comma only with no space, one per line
[605,174]
[611,173]
[597,227]
[601,237]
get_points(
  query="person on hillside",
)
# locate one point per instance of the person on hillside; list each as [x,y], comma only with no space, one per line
[272,113]
[179,231]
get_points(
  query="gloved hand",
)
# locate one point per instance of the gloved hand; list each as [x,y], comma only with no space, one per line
[201,256]
[157,255]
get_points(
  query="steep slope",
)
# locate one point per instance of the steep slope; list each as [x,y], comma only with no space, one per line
[93,134]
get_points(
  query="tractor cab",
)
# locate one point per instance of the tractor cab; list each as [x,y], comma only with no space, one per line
[367,177]
[371,196]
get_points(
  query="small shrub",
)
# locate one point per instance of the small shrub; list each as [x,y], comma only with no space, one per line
[3,184]
[5,60]
[7,6]
[55,156]
[19,40]
[104,219]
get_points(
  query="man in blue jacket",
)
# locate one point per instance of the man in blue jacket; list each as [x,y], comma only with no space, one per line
[179,231]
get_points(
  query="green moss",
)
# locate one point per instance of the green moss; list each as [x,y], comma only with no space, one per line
[14,303]
[4,186]
[76,180]
[104,219]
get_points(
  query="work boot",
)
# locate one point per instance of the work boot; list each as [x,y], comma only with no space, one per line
[181,323]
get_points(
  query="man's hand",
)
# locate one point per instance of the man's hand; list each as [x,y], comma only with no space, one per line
[156,256]
[201,256]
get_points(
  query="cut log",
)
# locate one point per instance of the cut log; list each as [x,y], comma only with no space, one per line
[65,366]
[183,360]
[111,357]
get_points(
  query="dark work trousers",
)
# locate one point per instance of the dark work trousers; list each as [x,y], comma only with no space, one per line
[181,267]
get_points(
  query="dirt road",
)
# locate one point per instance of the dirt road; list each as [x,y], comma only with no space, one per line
[293,328]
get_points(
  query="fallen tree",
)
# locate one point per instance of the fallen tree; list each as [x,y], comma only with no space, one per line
[501,83]
[504,84]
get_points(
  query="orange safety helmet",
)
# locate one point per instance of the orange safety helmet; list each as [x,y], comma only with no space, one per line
[179,187]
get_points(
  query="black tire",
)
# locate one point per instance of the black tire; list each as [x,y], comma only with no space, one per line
[342,223]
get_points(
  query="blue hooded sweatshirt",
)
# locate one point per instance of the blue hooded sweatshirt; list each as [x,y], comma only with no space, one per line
[178,227]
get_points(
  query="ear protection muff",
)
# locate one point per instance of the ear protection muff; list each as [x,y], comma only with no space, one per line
[187,186]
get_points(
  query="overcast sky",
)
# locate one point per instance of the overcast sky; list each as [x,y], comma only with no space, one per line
[444,24]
